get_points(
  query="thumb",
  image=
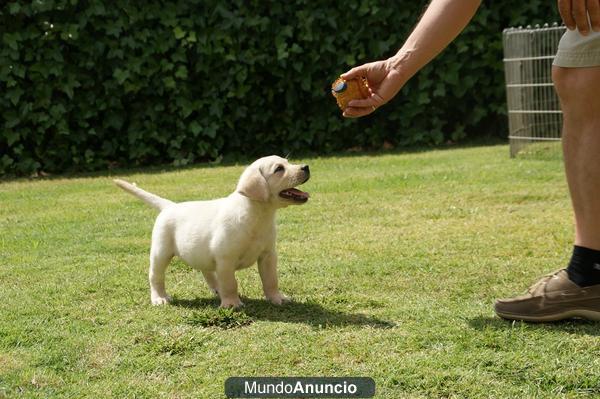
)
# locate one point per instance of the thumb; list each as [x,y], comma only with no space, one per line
[355,72]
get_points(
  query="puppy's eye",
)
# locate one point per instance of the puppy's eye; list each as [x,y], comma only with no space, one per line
[279,168]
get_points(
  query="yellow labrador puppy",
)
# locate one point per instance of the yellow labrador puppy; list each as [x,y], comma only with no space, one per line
[221,236]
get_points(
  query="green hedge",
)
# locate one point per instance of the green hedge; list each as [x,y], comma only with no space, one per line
[87,85]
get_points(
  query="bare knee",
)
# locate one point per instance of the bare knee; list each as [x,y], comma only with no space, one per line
[578,87]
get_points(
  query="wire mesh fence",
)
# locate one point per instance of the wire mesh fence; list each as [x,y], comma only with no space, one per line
[534,113]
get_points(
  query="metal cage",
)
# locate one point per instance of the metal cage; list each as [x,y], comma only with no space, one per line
[534,113]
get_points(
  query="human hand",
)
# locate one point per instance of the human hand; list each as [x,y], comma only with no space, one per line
[574,14]
[384,80]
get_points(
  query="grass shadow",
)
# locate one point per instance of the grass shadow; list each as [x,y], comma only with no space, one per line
[571,326]
[309,313]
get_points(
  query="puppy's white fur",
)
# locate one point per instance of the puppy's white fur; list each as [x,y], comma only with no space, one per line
[221,236]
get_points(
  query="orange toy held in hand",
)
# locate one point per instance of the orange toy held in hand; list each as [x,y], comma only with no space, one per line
[345,91]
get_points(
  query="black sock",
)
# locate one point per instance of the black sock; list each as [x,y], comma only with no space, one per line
[584,267]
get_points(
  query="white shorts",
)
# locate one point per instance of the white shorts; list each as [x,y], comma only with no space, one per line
[578,51]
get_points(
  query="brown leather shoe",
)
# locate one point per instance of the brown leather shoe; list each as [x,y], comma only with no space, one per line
[554,297]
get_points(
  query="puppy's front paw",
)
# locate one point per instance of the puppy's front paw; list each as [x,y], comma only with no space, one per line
[231,303]
[278,298]
[160,300]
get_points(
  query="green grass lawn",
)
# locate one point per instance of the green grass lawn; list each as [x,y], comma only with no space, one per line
[393,265]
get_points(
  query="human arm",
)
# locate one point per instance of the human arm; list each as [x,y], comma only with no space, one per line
[441,23]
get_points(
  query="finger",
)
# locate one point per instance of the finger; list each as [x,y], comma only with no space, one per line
[564,8]
[363,103]
[355,72]
[374,101]
[353,112]
[593,9]
[580,15]
[389,87]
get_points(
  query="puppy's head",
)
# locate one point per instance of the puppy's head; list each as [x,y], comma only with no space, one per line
[273,180]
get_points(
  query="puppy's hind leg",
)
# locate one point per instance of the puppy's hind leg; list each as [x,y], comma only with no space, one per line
[159,260]
[211,280]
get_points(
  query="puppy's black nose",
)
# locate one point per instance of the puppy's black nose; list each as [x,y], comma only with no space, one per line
[305,169]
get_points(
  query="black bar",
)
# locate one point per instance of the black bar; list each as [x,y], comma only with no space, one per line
[300,387]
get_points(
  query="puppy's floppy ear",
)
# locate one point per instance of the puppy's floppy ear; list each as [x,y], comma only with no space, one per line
[253,185]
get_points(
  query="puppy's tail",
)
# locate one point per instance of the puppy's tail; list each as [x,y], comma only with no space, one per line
[153,200]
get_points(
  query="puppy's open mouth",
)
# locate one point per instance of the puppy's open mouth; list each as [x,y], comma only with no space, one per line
[293,194]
